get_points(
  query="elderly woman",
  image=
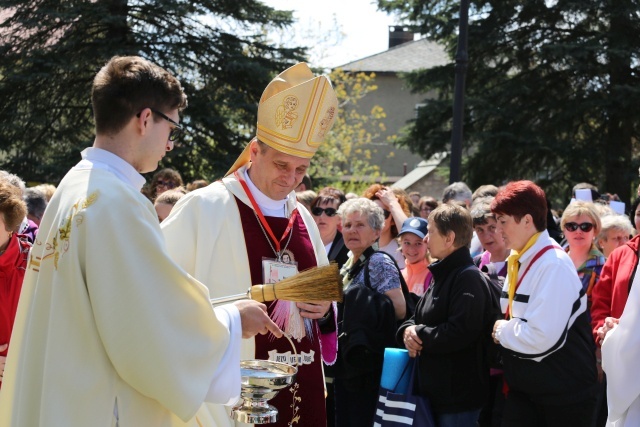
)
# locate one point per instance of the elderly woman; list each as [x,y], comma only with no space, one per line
[395,204]
[581,223]
[374,296]
[616,230]
[324,209]
[14,251]
[451,322]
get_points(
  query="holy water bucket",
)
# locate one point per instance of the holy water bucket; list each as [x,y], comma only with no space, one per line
[261,380]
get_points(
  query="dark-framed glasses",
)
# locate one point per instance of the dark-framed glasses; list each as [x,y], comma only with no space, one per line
[573,226]
[175,132]
[328,211]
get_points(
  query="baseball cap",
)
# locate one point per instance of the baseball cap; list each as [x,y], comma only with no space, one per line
[415,225]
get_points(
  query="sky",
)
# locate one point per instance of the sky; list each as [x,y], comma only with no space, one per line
[364,29]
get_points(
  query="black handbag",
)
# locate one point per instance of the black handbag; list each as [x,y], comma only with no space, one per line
[369,326]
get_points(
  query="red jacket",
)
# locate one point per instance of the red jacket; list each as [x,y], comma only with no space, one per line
[609,295]
[13,264]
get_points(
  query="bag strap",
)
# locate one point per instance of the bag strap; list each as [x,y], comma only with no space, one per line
[536,257]
[403,285]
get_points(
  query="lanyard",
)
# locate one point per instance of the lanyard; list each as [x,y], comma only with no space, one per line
[507,315]
[261,217]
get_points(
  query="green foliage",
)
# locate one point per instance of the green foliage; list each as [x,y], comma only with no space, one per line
[343,151]
[50,51]
[551,89]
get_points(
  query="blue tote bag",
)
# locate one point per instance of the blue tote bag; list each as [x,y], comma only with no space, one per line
[397,405]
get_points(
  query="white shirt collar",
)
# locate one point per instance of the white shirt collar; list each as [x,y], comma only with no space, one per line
[97,158]
[268,206]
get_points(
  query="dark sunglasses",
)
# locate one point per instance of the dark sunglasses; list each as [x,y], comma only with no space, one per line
[328,211]
[167,184]
[573,226]
[386,213]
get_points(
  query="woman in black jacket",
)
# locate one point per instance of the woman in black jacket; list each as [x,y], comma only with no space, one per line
[450,328]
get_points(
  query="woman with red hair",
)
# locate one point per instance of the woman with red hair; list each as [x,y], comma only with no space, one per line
[548,357]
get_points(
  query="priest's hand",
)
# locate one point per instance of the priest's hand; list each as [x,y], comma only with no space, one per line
[314,309]
[255,319]
[3,359]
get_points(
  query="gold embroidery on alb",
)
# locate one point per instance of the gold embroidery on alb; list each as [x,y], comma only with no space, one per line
[60,243]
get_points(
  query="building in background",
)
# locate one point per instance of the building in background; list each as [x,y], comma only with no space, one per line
[405,54]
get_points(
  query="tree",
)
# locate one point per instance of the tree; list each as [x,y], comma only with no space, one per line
[344,152]
[551,88]
[50,51]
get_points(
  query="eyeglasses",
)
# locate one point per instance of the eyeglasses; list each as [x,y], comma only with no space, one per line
[175,132]
[168,184]
[573,226]
[386,213]
[328,211]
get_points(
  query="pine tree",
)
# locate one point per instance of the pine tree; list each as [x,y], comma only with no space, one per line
[50,51]
[551,90]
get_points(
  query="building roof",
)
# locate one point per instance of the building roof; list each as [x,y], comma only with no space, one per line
[403,58]
[423,169]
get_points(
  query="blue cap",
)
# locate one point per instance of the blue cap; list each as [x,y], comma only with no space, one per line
[415,225]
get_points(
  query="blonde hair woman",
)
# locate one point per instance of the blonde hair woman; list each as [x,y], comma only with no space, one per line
[581,224]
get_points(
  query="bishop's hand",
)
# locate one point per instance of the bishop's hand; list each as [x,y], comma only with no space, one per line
[314,309]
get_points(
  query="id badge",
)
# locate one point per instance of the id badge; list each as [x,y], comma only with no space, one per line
[273,270]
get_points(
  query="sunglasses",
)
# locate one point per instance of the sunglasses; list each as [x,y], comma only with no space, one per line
[328,211]
[386,213]
[573,226]
[168,184]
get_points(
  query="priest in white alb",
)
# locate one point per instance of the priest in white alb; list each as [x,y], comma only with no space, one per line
[109,330]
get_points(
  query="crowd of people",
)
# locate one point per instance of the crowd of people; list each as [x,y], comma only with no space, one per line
[106,281]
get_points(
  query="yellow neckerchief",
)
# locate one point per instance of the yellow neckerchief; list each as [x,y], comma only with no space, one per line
[512,269]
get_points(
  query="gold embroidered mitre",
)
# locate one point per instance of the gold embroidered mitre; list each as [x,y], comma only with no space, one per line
[295,114]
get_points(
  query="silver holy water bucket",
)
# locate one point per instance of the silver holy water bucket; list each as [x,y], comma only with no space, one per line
[261,380]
